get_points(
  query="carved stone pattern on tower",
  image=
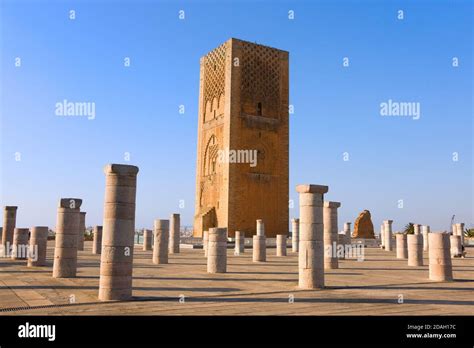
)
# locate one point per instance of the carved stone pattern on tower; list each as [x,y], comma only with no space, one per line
[210,156]
[260,74]
[214,72]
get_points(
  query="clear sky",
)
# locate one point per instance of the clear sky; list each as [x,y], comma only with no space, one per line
[337,109]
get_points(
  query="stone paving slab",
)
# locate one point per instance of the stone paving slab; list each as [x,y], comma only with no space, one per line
[370,287]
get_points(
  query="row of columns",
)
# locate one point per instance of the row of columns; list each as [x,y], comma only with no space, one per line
[411,247]
[31,243]
[317,226]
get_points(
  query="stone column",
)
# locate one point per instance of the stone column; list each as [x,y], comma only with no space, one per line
[330,234]
[67,229]
[388,234]
[160,248]
[460,231]
[116,261]
[346,239]
[341,243]
[147,239]
[439,261]
[382,236]
[311,248]
[281,245]
[295,234]
[347,232]
[9,224]
[217,250]
[425,230]
[205,241]
[20,244]
[415,250]
[402,250]
[97,242]
[456,246]
[82,229]
[416,228]
[38,246]
[174,234]
[259,243]
[239,243]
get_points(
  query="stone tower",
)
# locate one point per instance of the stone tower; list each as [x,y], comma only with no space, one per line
[243,114]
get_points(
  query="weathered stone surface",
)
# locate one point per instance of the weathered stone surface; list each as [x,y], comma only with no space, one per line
[239,243]
[20,243]
[82,229]
[425,230]
[415,250]
[217,251]
[161,243]
[295,234]
[238,193]
[363,226]
[38,240]
[456,246]
[147,239]
[175,226]
[67,229]
[330,234]
[115,282]
[97,242]
[9,223]
[311,245]
[440,264]
[388,239]
[259,249]
[281,245]
[402,248]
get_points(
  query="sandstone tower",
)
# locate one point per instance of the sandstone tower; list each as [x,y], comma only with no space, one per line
[243,105]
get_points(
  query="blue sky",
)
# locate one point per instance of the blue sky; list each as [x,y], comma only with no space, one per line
[337,109]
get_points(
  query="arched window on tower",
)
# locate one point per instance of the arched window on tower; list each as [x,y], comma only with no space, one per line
[259,109]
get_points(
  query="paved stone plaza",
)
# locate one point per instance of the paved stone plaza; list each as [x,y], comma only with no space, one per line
[370,287]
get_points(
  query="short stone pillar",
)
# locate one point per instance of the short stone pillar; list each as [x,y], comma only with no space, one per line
[239,243]
[97,241]
[382,236]
[9,224]
[161,244]
[259,244]
[348,233]
[456,246]
[38,246]
[82,229]
[402,249]
[330,234]
[425,230]
[116,261]
[415,250]
[439,259]
[311,248]
[147,239]
[217,250]
[281,245]
[416,228]
[295,234]
[20,244]
[205,242]
[387,227]
[341,246]
[67,229]
[175,226]
[460,231]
